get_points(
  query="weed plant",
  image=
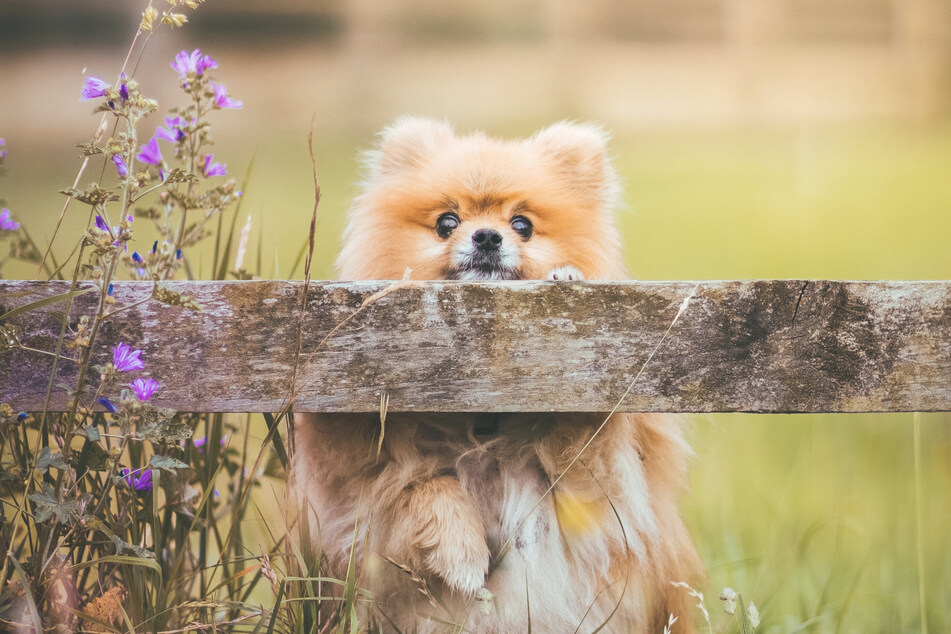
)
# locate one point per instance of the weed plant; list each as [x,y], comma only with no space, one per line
[118,515]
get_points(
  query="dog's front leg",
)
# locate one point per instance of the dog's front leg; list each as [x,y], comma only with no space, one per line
[438,530]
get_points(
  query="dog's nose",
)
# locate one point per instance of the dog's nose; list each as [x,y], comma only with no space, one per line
[487,239]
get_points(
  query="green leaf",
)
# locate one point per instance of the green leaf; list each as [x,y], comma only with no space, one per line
[166,463]
[47,506]
[94,457]
[160,425]
[138,551]
[90,432]
[45,302]
[70,390]
[48,459]
[120,559]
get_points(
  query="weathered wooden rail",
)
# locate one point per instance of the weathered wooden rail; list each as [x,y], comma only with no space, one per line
[750,346]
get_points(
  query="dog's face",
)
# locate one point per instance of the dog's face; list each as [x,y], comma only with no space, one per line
[475,208]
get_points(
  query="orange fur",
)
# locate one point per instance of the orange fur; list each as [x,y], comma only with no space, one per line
[465,513]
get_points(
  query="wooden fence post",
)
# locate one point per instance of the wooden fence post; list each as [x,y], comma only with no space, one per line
[748,346]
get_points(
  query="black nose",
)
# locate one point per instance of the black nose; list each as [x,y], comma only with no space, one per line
[487,239]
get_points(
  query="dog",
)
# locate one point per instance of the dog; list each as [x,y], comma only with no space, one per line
[455,525]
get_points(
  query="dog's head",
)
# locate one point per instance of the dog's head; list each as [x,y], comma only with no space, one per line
[475,208]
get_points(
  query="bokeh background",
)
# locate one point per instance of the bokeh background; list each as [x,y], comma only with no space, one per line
[754,138]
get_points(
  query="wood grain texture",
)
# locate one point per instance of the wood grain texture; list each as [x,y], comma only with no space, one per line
[749,346]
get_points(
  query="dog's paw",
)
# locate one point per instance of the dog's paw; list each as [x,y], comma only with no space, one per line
[447,536]
[564,274]
[461,559]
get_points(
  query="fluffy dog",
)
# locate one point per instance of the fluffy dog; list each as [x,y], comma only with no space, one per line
[464,506]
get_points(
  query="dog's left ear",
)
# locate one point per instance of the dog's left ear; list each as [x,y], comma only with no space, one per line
[409,142]
[579,151]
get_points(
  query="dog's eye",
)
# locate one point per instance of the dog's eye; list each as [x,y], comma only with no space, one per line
[522,226]
[446,224]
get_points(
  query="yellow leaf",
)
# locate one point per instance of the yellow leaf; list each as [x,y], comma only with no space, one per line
[577,516]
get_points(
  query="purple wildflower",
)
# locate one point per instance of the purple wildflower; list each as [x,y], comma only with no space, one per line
[178,254]
[136,257]
[173,129]
[6,221]
[101,223]
[123,92]
[222,100]
[93,87]
[150,153]
[125,358]
[203,440]
[3,152]
[21,416]
[111,289]
[140,272]
[194,62]
[120,165]
[141,482]
[155,246]
[212,168]
[144,388]
[107,404]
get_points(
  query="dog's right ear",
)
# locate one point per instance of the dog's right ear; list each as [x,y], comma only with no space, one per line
[408,142]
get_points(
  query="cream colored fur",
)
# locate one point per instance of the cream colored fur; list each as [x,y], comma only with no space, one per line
[465,515]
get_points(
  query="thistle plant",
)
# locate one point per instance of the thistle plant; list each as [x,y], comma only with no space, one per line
[187,198]
[184,208]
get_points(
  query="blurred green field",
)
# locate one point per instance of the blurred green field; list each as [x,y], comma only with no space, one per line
[811,517]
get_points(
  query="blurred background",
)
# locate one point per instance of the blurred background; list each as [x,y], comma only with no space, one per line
[754,139]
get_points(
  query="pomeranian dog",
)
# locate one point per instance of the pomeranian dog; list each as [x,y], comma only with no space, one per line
[454,522]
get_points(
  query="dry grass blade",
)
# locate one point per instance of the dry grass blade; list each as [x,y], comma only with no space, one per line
[696,594]
[421,584]
[369,301]
[627,552]
[274,422]
[508,542]
[313,220]
[220,266]
[223,626]
[384,403]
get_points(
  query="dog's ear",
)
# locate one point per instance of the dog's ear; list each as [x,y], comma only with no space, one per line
[408,142]
[579,152]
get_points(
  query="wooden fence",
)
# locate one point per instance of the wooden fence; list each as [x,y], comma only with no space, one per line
[736,346]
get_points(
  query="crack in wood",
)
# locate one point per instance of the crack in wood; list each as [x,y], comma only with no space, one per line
[798,300]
